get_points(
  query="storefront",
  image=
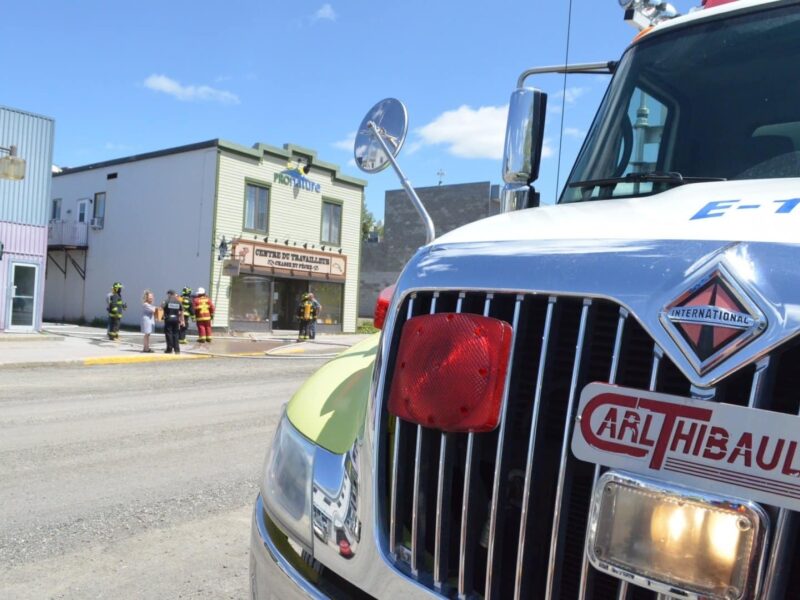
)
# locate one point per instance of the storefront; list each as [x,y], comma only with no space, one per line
[269,280]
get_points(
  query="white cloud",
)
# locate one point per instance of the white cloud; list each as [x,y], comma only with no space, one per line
[574,132]
[324,13]
[347,143]
[189,93]
[469,132]
[570,95]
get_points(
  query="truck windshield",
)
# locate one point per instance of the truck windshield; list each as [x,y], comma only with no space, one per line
[713,101]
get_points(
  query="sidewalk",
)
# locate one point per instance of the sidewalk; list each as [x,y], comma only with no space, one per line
[72,344]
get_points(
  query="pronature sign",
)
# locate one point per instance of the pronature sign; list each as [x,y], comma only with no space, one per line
[296,179]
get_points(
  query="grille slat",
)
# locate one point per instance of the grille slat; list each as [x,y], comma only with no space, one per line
[491,581]
[394,522]
[523,526]
[459,501]
[586,574]
[555,540]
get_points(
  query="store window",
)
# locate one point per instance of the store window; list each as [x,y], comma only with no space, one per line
[331,223]
[256,208]
[250,299]
[331,297]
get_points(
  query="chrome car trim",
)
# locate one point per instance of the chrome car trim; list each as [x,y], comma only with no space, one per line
[555,540]
[274,554]
[612,378]
[443,484]
[626,272]
[464,557]
[499,460]
[526,492]
[395,461]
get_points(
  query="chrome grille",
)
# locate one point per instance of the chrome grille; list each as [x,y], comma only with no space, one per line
[503,514]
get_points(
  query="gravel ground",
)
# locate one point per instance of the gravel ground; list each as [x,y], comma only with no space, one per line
[135,481]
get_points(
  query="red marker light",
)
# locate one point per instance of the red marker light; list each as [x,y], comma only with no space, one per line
[450,372]
[344,549]
[382,306]
[713,3]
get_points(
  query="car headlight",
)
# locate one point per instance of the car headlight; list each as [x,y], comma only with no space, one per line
[286,487]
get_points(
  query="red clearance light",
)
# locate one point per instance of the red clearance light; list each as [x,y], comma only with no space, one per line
[450,372]
[382,306]
[713,3]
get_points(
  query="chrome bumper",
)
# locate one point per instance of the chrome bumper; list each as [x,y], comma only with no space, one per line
[272,577]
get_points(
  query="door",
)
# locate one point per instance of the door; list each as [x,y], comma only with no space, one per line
[22,313]
[286,296]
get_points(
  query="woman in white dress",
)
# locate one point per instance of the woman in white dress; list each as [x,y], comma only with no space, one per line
[148,319]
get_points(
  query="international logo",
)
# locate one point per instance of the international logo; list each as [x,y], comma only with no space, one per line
[728,449]
[295,177]
[712,319]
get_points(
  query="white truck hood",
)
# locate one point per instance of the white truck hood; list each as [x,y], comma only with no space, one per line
[761,210]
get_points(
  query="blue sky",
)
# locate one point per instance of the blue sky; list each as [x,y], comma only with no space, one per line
[127,78]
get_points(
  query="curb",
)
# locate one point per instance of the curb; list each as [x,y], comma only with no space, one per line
[121,360]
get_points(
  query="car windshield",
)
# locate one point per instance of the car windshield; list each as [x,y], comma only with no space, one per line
[713,101]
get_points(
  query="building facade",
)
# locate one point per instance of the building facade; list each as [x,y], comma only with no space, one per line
[450,207]
[23,220]
[255,226]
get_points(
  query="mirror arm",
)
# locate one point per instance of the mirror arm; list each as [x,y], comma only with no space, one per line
[430,232]
[598,68]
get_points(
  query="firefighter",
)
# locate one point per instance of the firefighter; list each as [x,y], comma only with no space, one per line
[173,319]
[188,313]
[312,328]
[115,308]
[307,313]
[203,315]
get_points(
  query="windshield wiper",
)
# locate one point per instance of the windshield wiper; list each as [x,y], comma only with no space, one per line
[670,178]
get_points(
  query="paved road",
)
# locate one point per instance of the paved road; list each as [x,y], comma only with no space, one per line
[135,481]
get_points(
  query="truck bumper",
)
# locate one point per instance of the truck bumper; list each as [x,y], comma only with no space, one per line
[272,577]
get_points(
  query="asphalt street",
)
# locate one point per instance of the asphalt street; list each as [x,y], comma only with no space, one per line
[135,480]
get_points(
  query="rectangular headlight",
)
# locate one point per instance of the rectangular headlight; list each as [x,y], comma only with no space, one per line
[676,540]
[286,487]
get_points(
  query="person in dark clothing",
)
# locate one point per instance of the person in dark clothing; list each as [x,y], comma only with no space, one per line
[307,313]
[173,319]
[188,312]
[312,327]
[115,308]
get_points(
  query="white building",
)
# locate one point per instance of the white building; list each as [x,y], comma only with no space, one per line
[289,222]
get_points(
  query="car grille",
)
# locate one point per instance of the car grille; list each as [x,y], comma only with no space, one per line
[503,514]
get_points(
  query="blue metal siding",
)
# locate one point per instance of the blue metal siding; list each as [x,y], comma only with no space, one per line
[27,202]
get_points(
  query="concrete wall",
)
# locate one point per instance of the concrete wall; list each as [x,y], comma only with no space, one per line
[450,207]
[156,234]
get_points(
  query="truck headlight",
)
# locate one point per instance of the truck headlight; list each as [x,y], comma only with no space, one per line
[671,539]
[286,487]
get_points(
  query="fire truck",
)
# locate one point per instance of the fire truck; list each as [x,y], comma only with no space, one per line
[596,399]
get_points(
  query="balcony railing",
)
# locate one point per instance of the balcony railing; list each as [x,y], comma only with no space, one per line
[67,233]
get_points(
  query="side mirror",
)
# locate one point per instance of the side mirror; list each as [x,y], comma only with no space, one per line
[523,147]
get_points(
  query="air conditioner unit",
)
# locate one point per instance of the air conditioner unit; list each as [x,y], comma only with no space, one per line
[97,222]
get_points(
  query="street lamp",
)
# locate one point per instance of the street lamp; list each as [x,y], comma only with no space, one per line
[11,166]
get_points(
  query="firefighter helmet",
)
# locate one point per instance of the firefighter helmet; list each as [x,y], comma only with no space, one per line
[187,291]
[201,291]
[117,286]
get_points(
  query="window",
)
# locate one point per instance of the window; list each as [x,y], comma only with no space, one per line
[55,210]
[83,208]
[331,223]
[256,208]
[99,206]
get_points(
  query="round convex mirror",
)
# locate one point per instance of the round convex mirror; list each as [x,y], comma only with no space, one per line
[391,122]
